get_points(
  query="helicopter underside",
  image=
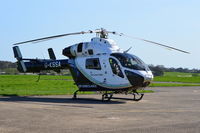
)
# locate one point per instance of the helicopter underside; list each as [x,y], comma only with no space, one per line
[107,93]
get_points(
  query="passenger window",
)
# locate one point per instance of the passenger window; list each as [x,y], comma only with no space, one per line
[93,63]
[90,51]
[115,67]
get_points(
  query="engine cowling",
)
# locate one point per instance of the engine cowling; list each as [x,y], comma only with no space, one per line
[68,52]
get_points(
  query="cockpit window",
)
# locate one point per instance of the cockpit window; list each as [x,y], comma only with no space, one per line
[116,68]
[130,61]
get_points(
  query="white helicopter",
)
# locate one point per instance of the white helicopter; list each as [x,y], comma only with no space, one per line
[97,65]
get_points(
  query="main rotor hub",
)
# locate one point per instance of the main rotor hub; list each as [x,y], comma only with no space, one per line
[102,33]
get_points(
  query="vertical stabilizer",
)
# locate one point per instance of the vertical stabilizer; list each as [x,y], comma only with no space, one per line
[20,62]
[51,54]
[17,53]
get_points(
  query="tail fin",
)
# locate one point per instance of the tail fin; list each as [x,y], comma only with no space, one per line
[18,56]
[51,54]
[17,53]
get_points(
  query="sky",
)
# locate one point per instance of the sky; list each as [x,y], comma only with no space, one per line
[171,22]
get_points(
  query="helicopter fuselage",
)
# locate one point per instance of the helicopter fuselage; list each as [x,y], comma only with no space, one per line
[102,65]
[99,65]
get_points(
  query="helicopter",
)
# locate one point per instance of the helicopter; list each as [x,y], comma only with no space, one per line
[98,65]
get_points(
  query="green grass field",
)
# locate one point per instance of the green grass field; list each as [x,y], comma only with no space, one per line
[178,77]
[172,84]
[27,85]
[23,85]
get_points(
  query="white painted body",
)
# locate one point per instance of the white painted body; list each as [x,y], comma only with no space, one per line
[98,45]
[102,49]
[103,77]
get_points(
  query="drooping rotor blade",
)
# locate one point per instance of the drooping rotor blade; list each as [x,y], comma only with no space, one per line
[166,46]
[56,36]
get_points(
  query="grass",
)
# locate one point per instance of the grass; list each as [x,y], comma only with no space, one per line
[171,85]
[178,77]
[26,85]
[23,85]
[145,91]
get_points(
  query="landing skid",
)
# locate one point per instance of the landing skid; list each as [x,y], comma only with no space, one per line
[137,96]
[75,94]
[107,96]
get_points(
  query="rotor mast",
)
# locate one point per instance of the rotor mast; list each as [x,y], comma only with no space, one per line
[102,33]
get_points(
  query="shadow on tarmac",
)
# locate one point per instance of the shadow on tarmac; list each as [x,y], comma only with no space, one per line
[56,100]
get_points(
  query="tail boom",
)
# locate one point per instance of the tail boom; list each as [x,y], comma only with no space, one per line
[37,65]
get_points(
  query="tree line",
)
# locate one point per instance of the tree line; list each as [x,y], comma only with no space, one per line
[160,69]
[7,67]
[7,64]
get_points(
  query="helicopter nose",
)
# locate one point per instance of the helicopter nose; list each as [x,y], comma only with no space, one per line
[134,79]
[149,77]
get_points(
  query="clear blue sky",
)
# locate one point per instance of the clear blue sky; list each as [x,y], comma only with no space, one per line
[172,22]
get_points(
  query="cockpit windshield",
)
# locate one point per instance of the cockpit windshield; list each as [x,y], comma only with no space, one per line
[130,61]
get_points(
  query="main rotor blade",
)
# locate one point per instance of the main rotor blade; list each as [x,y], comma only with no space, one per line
[121,34]
[53,37]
